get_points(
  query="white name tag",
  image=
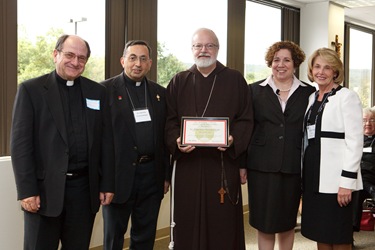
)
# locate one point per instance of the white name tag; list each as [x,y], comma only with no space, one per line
[311,131]
[93,104]
[367,150]
[142,115]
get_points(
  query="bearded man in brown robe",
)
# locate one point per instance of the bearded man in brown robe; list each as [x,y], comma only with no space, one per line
[207,201]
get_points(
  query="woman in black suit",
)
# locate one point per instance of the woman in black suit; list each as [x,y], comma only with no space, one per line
[274,154]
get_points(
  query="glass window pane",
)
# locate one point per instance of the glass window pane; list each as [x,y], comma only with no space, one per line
[41,22]
[360,65]
[177,21]
[262,29]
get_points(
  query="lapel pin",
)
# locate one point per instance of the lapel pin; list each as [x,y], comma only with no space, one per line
[158,97]
[119,98]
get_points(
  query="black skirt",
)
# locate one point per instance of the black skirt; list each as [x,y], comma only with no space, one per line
[273,201]
[323,220]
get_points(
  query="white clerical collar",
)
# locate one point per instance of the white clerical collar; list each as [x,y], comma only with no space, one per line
[138,84]
[69,83]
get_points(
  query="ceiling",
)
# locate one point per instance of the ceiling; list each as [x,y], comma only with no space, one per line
[356,11]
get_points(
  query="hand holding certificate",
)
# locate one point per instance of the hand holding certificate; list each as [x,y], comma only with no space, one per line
[205,131]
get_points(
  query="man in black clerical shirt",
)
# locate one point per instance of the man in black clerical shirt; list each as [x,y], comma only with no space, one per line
[62,151]
[138,111]
[367,166]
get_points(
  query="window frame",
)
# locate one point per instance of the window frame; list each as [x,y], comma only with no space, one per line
[122,24]
[8,70]
[349,26]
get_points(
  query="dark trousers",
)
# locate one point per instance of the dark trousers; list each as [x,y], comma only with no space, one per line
[73,227]
[358,198]
[143,207]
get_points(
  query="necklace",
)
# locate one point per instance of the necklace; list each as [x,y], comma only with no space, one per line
[285,90]
[282,90]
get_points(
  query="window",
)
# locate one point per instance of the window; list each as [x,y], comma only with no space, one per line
[263,28]
[38,31]
[177,21]
[38,24]
[360,61]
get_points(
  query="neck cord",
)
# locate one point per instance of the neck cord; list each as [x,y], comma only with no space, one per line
[131,101]
[372,142]
[209,97]
[224,184]
[321,107]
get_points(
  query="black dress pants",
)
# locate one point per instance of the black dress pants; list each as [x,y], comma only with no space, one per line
[143,207]
[72,228]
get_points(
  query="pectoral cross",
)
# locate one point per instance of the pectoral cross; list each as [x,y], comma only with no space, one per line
[222,192]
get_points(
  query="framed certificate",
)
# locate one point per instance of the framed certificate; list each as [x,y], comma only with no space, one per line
[205,131]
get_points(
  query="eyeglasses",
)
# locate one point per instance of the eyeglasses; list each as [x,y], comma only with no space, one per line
[370,120]
[209,46]
[72,56]
[133,58]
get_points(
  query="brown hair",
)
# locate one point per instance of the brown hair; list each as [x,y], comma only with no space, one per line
[298,56]
[60,42]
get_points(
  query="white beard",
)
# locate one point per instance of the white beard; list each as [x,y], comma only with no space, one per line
[204,62]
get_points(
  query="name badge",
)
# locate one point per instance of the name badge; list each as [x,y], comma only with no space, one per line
[142,115]
[367,150]
[311,131]
[93,104]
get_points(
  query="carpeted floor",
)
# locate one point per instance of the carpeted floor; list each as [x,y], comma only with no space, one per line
[363,240]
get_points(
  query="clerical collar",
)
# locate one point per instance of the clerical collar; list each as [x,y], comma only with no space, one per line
[132,82]
[65,82]
[69,83]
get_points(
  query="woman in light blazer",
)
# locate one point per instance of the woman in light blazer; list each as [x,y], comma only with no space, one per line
[333,142]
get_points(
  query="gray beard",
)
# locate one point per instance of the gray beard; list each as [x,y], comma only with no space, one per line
[204,63]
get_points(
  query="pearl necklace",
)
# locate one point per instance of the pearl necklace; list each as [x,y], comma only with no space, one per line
[285,90]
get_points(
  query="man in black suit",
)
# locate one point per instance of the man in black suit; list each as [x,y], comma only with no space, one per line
[138,111]
[62,151]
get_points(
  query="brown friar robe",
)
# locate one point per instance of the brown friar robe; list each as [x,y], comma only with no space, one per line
[202,222]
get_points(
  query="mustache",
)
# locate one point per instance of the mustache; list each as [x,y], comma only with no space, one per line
[204,54]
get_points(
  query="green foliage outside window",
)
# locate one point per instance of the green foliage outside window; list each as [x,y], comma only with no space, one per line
[168,66]
[35,58]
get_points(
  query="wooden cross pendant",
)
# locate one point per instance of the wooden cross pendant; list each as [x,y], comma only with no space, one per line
[222,193]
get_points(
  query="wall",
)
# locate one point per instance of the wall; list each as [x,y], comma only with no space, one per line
[314,31]
[320,23]
[11,216]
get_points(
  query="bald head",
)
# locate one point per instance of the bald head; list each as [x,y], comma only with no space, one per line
[204,33]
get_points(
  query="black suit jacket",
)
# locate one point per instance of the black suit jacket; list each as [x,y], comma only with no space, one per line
[39,146]
[123,123]
[277,137]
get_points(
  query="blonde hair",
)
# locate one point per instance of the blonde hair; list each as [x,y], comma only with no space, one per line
[333,60]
